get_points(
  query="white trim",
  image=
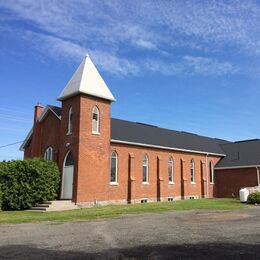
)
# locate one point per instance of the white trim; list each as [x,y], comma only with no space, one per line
[44,113]
[171,182]
[147,169]
[95,110]
[48,154]
[26,140]
[192,169]
[164,147]
[62,180]
[116,179]
[69,125]
[172,170]
[113,183]
[211,170]
[236,167]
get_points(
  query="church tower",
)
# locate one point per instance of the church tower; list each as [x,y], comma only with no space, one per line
[85,135]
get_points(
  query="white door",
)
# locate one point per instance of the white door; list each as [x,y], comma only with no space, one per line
[68,182]
[67,178]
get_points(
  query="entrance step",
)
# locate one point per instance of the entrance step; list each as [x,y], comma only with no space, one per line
[55,205]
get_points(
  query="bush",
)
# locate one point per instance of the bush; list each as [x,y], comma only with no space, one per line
[26,183]
[254,198]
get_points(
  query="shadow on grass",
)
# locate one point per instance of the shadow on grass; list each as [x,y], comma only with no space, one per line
[186,251]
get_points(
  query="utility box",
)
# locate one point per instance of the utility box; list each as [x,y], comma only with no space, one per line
[243,194]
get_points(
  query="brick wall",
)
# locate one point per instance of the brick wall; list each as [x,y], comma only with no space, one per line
[130,174]
[230,181]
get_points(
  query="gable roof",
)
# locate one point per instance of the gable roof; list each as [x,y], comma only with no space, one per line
[147,135]
[55,110]
[240,154]
[86,80]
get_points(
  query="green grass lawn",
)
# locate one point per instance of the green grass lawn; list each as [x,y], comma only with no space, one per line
[112,211]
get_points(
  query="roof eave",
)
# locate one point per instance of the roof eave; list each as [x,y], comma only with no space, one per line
[22,147]
[62,98]
[237,167]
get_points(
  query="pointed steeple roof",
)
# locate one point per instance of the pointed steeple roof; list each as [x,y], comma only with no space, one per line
[87,80]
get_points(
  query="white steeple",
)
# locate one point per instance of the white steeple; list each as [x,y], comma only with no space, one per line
[87,80]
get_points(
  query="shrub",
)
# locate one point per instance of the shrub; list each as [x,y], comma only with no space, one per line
[254,198]
[26,183]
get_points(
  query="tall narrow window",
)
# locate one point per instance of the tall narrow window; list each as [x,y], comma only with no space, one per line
[170,170]
[192,171]
[113,172]
[95,120]
[70,117]
[211,172]
[145,169]
[48,155]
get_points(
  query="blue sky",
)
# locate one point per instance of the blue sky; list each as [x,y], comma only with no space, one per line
[185,65]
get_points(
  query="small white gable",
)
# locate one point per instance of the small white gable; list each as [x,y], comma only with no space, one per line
[86,80]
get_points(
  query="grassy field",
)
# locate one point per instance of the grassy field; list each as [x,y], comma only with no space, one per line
[103,212]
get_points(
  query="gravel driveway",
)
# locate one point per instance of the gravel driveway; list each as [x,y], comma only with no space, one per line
[199,234]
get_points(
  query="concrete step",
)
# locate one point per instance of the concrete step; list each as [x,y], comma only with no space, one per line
[56,205]
[39,208]
[43,205]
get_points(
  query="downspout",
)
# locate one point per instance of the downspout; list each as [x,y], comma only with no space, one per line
[207,184]
[258,177]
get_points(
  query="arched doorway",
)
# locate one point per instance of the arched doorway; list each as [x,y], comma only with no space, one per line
[67,178]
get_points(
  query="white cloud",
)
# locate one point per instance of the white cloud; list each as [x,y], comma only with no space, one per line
[130,34]
[59,48]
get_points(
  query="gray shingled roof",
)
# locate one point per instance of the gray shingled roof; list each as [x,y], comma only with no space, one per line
[152,135]
[243,153]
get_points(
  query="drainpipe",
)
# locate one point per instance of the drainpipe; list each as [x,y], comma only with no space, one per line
[207,184]
[258,177]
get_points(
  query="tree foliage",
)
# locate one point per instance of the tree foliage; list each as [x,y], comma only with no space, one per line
[24,183]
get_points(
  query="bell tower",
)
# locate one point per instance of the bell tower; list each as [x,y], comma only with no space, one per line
[85,131]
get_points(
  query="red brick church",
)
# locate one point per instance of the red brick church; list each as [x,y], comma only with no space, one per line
[106,160]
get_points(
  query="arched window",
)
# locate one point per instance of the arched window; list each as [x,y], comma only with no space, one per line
[113,172]
[211,172]
[48,155]
[95,120]
[145,169]
[70,117]
[192,171]
[171,170]
[69,160]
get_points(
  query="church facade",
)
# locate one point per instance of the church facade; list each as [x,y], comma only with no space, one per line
[105,160]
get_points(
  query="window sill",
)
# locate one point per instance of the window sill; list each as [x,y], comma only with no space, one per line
[193,182]
[212,183]
[95,133]
[69,134]
[114,183]
[171,182]
[145,182]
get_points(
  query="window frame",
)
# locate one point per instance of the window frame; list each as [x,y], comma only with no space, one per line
[171,166]
[192,172]
[116,173]
[145,163]
[70,119]
[95,110]
[48,154]
[211,173]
